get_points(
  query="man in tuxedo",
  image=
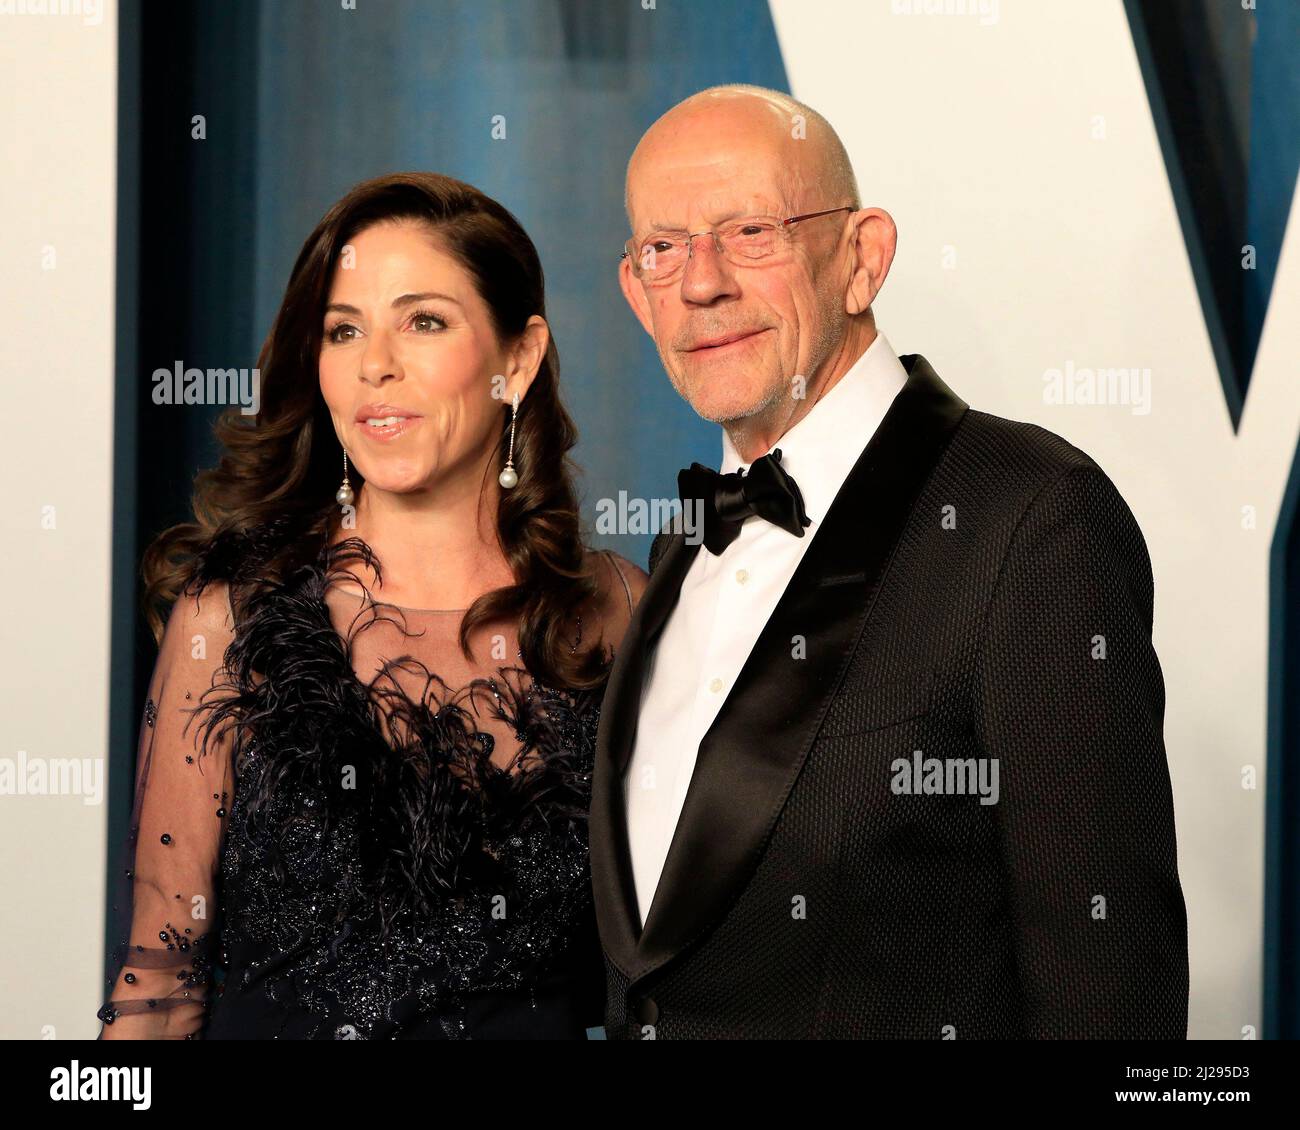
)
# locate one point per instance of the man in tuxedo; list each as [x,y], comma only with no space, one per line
[883,756]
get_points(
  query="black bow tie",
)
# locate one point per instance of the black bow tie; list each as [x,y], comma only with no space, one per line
[768,491]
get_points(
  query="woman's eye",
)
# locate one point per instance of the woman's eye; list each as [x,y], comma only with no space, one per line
[424,322]
[340,333]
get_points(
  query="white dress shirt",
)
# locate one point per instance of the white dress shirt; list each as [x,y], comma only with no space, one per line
[726,601]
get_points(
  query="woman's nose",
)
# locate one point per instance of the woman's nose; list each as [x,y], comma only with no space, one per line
[379,362]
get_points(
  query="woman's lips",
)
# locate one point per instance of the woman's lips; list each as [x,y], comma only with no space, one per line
[384,429]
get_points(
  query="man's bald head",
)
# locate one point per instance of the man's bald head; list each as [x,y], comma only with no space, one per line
[804,140]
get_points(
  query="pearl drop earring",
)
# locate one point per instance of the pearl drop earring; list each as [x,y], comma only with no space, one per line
[509,477]
[344,496]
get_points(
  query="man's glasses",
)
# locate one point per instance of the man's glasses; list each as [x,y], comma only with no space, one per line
[661,257]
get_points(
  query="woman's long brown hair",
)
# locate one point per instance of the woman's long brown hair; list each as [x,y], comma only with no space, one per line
[283,465]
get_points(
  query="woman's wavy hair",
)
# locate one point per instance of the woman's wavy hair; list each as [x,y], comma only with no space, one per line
[281,468]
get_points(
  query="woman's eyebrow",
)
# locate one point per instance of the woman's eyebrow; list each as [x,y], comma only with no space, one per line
[406,299]
[401,300]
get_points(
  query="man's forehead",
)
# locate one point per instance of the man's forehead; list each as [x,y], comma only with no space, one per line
[677,207]
[703,158]
[669,198]
[705,167]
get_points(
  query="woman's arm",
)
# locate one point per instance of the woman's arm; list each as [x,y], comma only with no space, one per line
[166,909]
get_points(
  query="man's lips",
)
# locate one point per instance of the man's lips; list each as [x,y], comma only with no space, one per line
[724,340]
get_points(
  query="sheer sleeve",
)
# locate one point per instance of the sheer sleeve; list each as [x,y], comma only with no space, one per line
[166,914]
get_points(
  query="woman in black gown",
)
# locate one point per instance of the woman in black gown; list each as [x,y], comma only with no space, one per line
[365,756]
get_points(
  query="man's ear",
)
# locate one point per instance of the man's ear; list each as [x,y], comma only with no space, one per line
[634,292]
[526,356]
[874,237]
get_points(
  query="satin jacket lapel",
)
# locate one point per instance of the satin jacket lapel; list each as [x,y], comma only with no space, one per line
[617,915]
[751,755]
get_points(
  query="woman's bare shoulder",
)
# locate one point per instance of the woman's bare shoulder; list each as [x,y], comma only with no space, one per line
[620,585]
[622,581]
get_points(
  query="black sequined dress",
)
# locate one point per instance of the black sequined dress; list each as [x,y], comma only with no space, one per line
[344,829]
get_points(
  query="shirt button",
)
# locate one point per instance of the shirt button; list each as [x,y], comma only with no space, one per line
[742,575]
[715,686]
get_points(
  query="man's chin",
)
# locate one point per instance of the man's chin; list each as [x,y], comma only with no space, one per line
[722,405]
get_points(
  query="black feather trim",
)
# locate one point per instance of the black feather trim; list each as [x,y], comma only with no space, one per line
[413,773]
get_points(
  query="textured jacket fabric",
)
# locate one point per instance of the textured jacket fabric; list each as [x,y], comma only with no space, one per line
[979,592]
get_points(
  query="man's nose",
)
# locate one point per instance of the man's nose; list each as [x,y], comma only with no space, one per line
[707,276]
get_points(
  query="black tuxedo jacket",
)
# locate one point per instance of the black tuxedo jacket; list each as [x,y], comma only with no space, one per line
[978,590]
